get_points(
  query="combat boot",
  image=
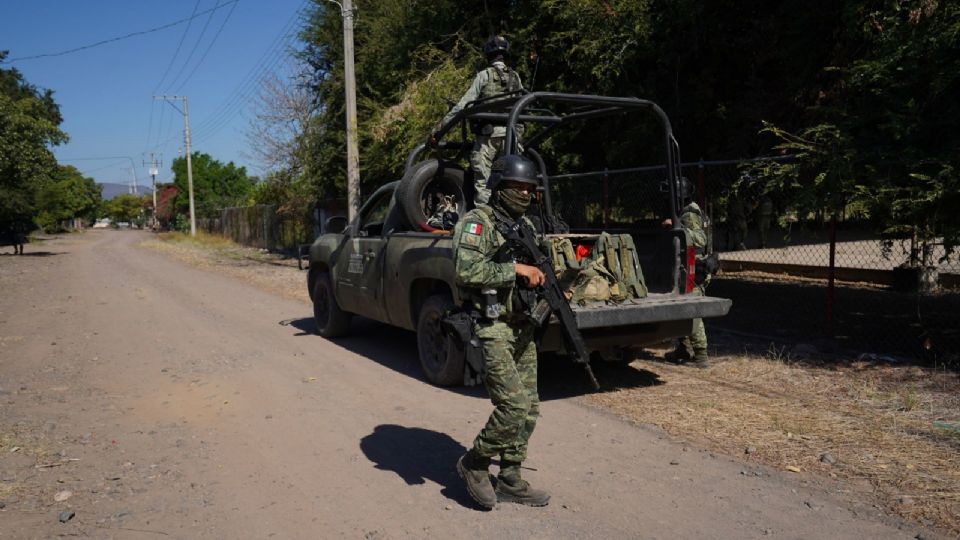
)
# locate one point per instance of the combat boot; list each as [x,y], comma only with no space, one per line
[472,467]
[512,488]
[699,360]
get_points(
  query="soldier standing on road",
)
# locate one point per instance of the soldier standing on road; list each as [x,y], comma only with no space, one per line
[492,81]
[692,349]
[489,281]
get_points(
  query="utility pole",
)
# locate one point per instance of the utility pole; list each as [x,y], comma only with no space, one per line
[154,169]
[186,136]
[350,84]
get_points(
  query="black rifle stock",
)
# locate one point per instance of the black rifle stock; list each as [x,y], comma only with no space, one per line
[522,238]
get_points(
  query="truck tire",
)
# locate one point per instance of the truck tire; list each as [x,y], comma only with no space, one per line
[330,319]
[442,364]
[422,183]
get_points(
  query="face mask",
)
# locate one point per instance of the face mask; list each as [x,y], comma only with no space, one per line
[515,201]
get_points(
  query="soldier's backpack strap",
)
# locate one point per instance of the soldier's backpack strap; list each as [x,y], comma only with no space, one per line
[630,263]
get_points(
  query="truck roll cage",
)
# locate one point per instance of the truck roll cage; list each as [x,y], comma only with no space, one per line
[522,107]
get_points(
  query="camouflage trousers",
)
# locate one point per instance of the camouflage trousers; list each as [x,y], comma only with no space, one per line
[485,150]
[510,356]
[696,342]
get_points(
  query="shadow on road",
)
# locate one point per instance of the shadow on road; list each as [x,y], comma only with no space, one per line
[417,455]
[32,254]
[396,349]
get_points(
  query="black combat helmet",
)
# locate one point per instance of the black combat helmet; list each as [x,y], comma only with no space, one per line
[496,46]
[512,168]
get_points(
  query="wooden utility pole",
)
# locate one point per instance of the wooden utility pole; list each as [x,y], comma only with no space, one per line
[186,136]
[350,84]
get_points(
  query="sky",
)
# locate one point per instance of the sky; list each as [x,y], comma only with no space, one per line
[106,92]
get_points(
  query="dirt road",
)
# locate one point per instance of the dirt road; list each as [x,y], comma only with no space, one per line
[172,401]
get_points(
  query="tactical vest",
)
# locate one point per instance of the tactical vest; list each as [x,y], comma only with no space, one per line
[473,296]
[500,81]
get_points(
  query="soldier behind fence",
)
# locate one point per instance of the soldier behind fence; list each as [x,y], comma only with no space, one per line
[492,284]
[736,220]
[764,217]
[494,80]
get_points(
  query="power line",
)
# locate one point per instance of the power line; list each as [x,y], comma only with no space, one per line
[177,52]
[195,45]
[126,36]
[228,109]
[209,46]
[234,104]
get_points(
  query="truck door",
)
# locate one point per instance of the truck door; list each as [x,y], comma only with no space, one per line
[360,266]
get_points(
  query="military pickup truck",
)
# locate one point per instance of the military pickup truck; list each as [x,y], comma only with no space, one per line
[393,262]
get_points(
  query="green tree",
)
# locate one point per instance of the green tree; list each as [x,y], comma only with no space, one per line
[125,208]
[66,196]
[215,185]
[28,128]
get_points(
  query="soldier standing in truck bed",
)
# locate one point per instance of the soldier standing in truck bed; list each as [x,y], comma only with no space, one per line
[494,80]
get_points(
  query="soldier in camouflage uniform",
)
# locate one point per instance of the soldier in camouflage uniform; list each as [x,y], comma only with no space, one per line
[494,80]
[692,349]
[488,280]
[737,221]
[764,217]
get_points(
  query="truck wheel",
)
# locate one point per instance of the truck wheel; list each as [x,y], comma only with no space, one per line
[442,364]
[424,186]
[331,320]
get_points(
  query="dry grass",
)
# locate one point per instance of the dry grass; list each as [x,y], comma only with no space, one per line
[18,445]
[887,424]
[265,270]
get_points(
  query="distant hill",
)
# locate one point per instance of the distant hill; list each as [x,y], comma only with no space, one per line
[112,190]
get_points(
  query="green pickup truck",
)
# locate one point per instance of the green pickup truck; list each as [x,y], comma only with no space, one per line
[393,263]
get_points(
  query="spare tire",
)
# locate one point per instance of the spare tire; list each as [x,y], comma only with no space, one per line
[424,186]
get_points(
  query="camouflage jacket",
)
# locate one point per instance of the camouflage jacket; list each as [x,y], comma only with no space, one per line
[691,219]
[476,246]
[496,79]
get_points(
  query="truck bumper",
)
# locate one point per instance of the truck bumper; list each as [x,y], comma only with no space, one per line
[644,322]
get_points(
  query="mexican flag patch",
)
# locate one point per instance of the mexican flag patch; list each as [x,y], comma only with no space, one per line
[474,228]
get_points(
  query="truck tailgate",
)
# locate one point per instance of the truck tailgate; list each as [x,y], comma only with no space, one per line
[654,308]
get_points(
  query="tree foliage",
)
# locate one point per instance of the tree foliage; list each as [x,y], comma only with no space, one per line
[126,208]
[862,91]
[215,185]
[28,128]
[67,195]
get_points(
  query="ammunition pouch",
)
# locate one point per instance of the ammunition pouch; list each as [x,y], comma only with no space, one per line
[461,338]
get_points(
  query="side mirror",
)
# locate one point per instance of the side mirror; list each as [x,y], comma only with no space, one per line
[335,225]
[664,186]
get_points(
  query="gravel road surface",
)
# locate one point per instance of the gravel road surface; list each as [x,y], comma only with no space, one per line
[173,401]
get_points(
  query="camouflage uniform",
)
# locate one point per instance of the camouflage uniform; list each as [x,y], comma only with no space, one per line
[737,221]
[765,213]
[691,219]
[510,354]
[494,80]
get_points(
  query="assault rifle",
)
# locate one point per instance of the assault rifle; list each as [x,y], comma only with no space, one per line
[521,240]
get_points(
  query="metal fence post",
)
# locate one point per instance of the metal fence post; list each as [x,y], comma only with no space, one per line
[606,197]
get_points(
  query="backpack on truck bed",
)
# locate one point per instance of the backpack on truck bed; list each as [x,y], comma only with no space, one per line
[610,273]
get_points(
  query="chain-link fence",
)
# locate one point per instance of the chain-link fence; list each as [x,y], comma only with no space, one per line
[829,281]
